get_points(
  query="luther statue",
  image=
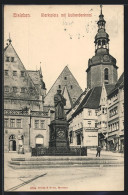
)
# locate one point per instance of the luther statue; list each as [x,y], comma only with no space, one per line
[59,102]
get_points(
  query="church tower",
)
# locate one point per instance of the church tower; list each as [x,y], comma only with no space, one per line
[101,67]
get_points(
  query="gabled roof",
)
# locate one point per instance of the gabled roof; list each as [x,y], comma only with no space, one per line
[65,79]
[119,83]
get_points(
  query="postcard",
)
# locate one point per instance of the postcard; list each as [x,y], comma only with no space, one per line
[63,98]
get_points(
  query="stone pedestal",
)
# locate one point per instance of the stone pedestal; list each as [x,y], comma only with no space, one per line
[59,137]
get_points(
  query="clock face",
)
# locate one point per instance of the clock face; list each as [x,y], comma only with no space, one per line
[106,57]
[60,133]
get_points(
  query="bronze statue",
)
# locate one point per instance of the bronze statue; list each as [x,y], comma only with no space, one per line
[59,102]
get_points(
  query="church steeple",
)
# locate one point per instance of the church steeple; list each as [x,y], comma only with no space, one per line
[102,66]
[101,38]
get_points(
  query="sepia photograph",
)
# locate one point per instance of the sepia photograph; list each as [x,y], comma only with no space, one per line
[63,98]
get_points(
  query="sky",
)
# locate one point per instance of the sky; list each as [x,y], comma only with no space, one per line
[56,42]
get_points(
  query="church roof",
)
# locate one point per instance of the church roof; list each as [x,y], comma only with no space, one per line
[69,86]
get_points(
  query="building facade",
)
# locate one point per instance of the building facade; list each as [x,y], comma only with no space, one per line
[26,119]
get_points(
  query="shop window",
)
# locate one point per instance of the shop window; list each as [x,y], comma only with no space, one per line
[39,141]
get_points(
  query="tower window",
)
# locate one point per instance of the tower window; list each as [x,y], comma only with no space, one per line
[106,74]
[65,78]
[59,86]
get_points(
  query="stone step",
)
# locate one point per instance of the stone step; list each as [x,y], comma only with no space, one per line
[62,166]
[66,162]
[46,158]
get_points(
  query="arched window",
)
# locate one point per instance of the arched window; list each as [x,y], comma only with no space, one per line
[106,74]
[39,140]
[99,42]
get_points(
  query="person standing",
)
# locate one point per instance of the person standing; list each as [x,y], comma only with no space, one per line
[98,151]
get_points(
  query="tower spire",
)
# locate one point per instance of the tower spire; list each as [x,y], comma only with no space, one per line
[101,38]
[101,9]
[9,39]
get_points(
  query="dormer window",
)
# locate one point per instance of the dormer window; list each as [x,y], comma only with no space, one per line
[14,73]
[22,73]
[7,59]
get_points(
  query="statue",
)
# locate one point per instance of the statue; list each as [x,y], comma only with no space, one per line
[59,102]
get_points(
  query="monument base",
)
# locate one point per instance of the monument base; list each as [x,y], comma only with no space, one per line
[59,136]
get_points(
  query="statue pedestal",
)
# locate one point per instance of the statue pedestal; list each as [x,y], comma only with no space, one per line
[59,137]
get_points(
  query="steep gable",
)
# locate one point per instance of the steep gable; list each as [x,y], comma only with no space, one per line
[16,77]
[65,79]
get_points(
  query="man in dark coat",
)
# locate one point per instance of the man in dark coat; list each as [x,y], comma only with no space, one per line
[98,151]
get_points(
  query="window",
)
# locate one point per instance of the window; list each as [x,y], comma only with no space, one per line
[14,73]
[96,112]
[6,122]
[6,89]
[78,139]
[59,86]
[22,90]
[106,74]
[71,87]
[42,124]
[39,140]
[96,124]
[89,112]
[7,59]
[12,123]
[15,89]
[36,124]
[18,123]
[22,73]
[71,137]
[65,78]
[6,72]
[12,59]
[89,123]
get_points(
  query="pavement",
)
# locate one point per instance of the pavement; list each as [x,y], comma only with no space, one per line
[64,179]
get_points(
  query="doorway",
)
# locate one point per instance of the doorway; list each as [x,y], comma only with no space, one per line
[12,143]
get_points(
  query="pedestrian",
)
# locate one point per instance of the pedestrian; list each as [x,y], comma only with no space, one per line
[98,151]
